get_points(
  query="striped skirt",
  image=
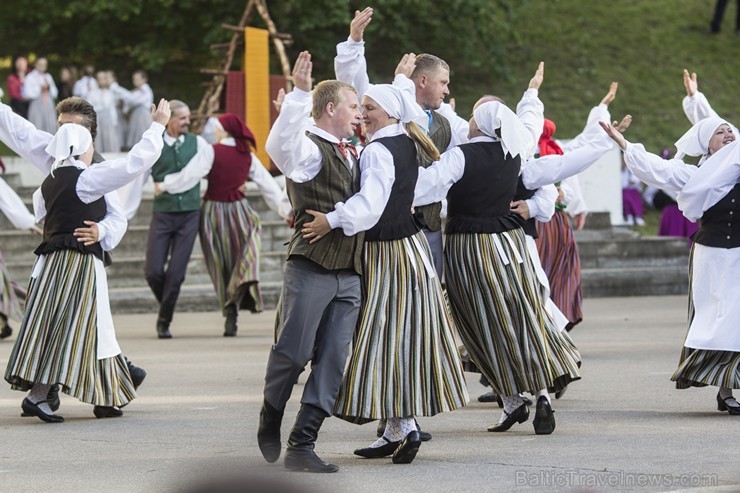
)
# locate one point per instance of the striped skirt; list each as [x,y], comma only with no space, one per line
[558,251]
[230,240]
[498,307]
[57,341]
[703,367]
[12,296]
[404,360]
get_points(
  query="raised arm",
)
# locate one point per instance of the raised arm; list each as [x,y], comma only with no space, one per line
[350,65]
[101,178]
[598,113]
[550,169]
[24,139]
[651,169]
[531,111]
[287,144]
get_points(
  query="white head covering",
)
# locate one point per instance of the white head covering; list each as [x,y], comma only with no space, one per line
[398,104]
[69,141]
[695,142]
[515,138]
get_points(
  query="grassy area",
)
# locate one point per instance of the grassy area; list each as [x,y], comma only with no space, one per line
[644,45]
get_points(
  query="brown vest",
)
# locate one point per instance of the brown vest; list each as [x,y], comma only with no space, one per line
[335,182]
[441,134]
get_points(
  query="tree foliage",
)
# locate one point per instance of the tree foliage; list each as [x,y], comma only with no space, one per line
[171,39]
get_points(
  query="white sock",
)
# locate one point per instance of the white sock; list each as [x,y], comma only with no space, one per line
[511,403]
[392,433]
[407,426]
[541,393]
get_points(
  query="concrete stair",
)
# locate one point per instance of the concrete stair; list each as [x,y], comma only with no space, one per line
[615,261]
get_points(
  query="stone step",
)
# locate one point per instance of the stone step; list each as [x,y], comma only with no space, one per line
[633,252]
[193,298]
[275,235]
[635,281]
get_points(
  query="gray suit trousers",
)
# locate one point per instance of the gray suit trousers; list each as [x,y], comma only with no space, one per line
[317,318]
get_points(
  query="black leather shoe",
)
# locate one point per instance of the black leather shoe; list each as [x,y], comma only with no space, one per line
[101,412]
[230,323]
[6,331]
[268,432]
[519,415]
[31,409]
[406,452]
[378,452]
[544,417]
[559,393]
[723,405]
[163,330]
[491,396]
[137,374]
[52,398]
[423,435]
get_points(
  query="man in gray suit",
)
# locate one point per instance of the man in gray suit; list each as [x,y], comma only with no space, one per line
[320,299]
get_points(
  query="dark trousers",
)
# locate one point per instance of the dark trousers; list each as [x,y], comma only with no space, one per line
[171,239]
[719,12]
[434,238]
[317,319]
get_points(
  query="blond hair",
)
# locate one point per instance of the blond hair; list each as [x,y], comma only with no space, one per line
[425,148]
[325,92]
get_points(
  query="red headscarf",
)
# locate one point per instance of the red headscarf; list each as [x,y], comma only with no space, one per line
[235,127]
[547,145]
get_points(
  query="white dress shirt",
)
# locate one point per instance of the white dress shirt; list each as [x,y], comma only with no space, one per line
[296,155]
[13,207]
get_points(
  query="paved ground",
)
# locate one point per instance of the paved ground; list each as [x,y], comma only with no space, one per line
[623,427]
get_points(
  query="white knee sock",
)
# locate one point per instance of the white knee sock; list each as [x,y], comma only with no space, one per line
[511,403]
[392,433]
[407,425]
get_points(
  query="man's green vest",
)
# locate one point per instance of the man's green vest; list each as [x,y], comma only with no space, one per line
[173,159]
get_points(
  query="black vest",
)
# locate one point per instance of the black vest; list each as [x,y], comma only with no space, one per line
[440,132]
[523,193]
[335,182]
[480,202]
[66,212]
[397,221]
[720,227]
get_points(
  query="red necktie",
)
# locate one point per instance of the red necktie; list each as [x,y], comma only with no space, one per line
[346,146]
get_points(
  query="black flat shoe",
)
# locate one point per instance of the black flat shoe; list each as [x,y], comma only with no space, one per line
[423,435]
[544,417]
[489,397]
[723,405]
[560,392]
[101,412]
[6,331]
[378,452]
[406,452]
[31,409]
[519,415]
[381,428]
[138,374]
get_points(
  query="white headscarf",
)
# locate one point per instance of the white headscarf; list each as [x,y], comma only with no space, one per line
[515,139]
[695,142]
[69,141]
[398,104]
